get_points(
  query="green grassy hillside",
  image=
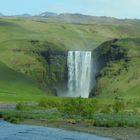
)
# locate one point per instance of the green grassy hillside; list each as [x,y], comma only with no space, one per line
[121,75]
[22,40]
[72,36]
[15,86]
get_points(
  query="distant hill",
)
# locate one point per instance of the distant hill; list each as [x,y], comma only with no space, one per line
[78,18]
[88,19]
[24,15]
[48,14]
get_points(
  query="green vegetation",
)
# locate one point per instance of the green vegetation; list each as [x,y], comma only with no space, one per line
[120,75]
[116,113]
[32,62]
[23,40]
[15,86]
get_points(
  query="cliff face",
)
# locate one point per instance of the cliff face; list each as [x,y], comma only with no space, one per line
[110,60]
[42,61]
[117,66]
[56,67]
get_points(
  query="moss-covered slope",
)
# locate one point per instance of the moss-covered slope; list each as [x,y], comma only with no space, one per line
[15,86]
[119,74]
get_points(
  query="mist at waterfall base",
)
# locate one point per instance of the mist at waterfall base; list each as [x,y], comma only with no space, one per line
[81,74]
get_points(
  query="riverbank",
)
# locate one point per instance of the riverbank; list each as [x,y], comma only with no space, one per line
[115,119]
[120,133]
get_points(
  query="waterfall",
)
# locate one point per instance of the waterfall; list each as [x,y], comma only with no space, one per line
[79,73]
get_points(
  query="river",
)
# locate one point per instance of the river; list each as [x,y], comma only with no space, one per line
[10,131]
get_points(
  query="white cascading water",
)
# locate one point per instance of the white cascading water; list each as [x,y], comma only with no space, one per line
[79,73]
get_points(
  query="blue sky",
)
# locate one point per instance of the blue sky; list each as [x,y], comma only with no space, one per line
[113,8]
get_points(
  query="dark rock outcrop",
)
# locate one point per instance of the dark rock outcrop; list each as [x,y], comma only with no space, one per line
[57,67]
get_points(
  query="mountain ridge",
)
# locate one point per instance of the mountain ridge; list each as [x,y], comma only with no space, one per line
[53,14]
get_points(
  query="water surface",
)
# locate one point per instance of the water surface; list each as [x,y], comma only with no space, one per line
[10,131]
